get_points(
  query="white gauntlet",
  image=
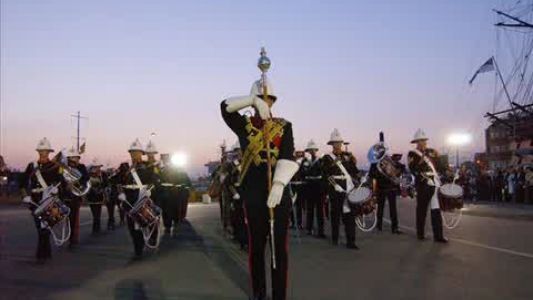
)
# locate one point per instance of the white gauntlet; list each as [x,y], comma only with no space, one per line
[237,103]
[285,170]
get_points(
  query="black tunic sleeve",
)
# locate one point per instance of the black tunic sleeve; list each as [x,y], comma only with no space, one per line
[234,120]
[25,177]
[286,150]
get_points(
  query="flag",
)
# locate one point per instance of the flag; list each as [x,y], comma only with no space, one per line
[486,67]
[82,148]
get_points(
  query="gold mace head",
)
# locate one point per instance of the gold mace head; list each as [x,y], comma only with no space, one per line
[264,62]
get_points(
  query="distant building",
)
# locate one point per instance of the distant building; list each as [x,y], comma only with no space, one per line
[508,142]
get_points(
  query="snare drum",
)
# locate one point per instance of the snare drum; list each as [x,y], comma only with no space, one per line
[145,212]
[361,201]
[52,212]
[359,195]
[450,196]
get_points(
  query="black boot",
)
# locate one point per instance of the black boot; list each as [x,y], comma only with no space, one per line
[436,222]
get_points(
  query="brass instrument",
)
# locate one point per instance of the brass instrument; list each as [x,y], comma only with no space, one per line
[72,177]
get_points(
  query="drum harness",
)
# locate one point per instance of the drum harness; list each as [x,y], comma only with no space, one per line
[432,182]
[147,231]
[45,200]
[346,176]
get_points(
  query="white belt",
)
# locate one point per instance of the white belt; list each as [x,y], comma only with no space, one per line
[297,182]
[169,184]
[38,190]
[340,177]
[313,177]
[133,186]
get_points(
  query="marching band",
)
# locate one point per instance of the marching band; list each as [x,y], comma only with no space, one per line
[263,185]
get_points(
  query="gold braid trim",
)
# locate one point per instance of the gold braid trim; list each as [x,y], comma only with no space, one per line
[256,144]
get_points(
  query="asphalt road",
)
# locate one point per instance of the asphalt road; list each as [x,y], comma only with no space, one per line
[487,258]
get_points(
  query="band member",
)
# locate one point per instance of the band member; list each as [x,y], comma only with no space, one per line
[238,223]
[151,162]
[71,199]
[254,182]
[425,165]
[297,195]
[386,190]
[38,176]
[313,189]
[139,176]
[227,170]
[115,180]
[169,195]
[97,195]
[340,169]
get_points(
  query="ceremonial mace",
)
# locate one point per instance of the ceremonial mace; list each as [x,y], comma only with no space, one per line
[264,64]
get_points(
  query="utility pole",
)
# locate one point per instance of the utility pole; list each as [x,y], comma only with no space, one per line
[78,117]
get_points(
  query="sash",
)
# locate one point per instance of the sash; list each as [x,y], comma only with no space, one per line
[434,182]
[136,178]
[347,176]
[256,144]
[39,176]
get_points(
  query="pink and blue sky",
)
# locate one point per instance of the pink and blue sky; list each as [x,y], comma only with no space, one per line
[137,67]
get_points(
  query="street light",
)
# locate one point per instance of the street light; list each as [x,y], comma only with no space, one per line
[458,140]
[179,159]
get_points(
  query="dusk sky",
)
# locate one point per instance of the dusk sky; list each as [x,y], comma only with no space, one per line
[137,67]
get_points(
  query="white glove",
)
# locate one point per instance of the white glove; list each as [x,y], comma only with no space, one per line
[122,197]
[338,189]
[236,196]
[276,193]
[54,190]
[27,200]
[262,108]
[284,171]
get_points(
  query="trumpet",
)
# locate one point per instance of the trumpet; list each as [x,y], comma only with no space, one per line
[72,177]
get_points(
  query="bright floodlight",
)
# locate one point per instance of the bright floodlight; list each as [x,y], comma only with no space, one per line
[459,139]
[179,159]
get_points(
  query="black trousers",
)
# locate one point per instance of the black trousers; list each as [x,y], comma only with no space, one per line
[315,207]
[423,199]
[96,211]
[383,196]
[170,207]
[110,205]
[74,204]
[336,201]
[297,211]
[238,223]
[136,236]
[257,216]
[44,248]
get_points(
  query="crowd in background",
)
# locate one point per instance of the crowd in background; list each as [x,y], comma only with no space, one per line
[509,185]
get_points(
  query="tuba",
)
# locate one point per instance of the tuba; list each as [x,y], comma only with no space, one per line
[73,178]
[377,154]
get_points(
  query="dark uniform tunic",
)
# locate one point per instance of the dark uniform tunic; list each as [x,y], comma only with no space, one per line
[147,177]
[385,190]
[30,184]
[74,203]
[254,191]
[170,196]
[115,181]
[96,197]
[336,199]
[231,188]
[298,206]
[425,191]
[313,191]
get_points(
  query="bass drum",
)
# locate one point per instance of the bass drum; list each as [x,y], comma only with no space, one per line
[451,203]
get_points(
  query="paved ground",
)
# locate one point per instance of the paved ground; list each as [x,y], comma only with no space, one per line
[488,258]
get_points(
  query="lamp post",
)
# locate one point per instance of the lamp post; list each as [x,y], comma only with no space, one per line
[458,140]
